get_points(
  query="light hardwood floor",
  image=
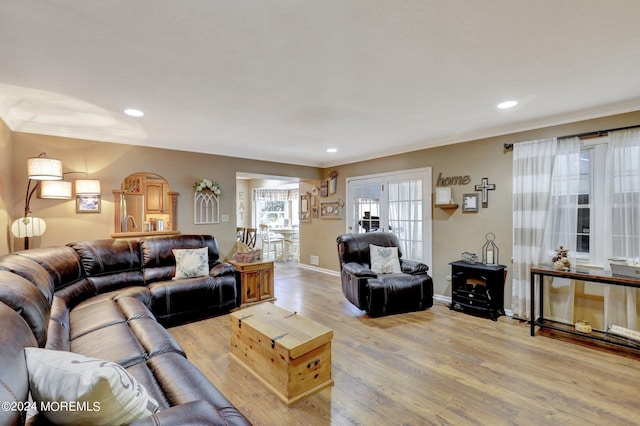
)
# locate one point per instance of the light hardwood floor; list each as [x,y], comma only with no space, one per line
[435,367]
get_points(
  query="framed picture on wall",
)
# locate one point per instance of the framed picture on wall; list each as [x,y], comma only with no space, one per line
[88,204]
[324,188]
[331,209]
[305,208]
[470,203]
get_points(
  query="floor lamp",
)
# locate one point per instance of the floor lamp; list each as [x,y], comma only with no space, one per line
[40,168]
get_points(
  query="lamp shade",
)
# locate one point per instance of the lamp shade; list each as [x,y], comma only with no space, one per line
[28,227]
[87,186]
[43,168]
[56,189]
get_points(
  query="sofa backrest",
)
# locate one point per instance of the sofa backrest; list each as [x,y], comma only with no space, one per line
[14,379]
[355,247]
[158,261]
[110,264]
[62,263]
[31,270]
[27,300]
[65,270]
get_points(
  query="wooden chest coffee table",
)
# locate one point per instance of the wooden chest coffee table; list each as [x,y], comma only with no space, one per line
[289,354]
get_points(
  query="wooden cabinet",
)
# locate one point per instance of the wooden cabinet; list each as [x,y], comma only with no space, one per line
[156,196]
[257,281]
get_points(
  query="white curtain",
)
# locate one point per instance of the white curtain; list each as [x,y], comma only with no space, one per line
[622,222]
[533,163]
[561,228]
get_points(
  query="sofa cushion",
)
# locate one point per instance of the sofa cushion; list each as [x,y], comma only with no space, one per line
[191,263]
[177,300]
[182,382]
[103,391]
[93,315]
[195,413]
[384,260]
[119,329]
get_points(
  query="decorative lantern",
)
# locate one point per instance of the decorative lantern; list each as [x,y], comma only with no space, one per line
[490,251]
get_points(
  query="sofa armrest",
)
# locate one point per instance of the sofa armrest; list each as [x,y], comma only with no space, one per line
[222,268]
[193,413]
[413,267]
[358,270]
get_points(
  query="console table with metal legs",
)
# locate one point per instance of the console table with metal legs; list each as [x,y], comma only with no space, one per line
[580,275]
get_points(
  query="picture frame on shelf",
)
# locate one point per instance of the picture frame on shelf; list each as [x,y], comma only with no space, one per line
[88,204]
[470,203]
[443,195]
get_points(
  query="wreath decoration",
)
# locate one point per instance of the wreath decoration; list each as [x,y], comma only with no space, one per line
[207,184]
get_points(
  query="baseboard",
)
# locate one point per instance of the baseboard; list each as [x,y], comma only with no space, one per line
[318,269]
[445,300]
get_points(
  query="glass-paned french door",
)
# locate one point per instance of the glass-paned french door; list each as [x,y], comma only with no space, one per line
[394,202]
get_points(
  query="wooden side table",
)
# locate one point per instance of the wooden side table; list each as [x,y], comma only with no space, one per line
[257,282]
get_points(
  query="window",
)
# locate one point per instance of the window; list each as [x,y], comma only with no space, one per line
[591,201]
[277,208]
[584,205]
[595,226]
[577,210]
[271,213]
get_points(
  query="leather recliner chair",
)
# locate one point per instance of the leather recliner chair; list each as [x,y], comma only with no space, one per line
[381,294]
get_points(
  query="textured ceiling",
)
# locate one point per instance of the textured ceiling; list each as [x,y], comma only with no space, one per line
[283,80]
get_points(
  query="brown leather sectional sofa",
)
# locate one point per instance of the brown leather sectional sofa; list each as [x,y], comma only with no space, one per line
[111,299]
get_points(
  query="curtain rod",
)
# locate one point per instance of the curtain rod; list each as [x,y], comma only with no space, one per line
[596,133]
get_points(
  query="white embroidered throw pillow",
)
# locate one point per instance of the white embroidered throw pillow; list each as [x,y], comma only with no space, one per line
[191,262]
[73,389]
[384,260]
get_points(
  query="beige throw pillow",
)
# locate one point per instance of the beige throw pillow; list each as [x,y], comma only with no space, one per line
[191,262]
[384,260]
[73,389]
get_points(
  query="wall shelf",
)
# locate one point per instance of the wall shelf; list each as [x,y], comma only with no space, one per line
[446,206]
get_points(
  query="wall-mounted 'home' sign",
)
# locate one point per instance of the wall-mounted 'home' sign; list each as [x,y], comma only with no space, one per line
[453,180]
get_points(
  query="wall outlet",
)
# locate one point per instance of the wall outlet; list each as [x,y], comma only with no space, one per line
[224,218]
[314,260]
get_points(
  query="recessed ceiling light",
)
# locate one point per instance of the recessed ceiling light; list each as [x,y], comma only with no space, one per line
[507,104]
[132,112]
[332,150]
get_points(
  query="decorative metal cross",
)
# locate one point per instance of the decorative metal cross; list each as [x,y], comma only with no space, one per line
[485,187]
